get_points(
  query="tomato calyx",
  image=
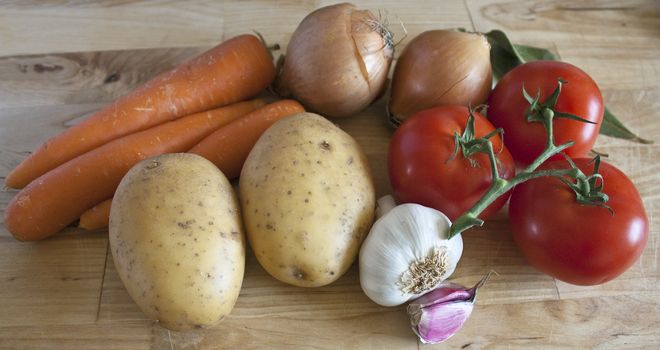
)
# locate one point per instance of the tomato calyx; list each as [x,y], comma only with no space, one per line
[588,189]
[469,145]
[545,112]
[537,111]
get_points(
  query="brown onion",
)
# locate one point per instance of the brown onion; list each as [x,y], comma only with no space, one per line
[440,67]
[337,60]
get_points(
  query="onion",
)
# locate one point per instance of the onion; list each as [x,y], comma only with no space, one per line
[440,67]
[337,60]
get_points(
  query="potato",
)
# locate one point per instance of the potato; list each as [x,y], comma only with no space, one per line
[177,240]
[308,200]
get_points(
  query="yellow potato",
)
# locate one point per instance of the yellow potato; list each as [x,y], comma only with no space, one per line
[308,200]
[177,240]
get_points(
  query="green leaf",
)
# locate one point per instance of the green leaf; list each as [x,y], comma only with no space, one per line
[613,127]
[505,55]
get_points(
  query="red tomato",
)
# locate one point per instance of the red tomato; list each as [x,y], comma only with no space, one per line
[420,170]
[578,244]
[579,96]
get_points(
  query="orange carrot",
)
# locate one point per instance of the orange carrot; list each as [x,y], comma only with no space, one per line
[96,217]
[228,73]
[59,197]
[229,146]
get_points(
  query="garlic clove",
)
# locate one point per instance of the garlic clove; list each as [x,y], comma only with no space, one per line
[447,292]
[436,324]
[439,314]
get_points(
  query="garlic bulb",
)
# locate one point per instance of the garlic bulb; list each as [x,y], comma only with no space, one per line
[407,253]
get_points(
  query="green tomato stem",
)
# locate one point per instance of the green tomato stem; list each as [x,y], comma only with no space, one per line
[586,188]
[501,186]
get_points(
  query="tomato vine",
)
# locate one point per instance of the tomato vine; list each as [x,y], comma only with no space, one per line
[586,188]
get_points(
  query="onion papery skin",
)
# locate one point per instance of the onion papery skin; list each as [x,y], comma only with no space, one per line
[440,67]
[337,61]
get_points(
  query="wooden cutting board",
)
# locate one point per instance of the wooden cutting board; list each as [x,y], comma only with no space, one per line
[60,61]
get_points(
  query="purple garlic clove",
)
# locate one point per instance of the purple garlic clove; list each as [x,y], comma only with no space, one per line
[436,324]
[446,292]
[439,314]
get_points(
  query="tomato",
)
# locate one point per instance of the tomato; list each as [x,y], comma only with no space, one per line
[421,171]
[579,96]
[576,243]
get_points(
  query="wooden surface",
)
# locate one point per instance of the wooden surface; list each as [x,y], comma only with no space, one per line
[60,60]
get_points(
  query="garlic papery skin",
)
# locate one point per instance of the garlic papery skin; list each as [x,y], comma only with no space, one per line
[438,315]
[407,253]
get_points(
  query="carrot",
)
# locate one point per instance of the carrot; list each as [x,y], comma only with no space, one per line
[96,217]
[60,196]
[229,146]
[228,73]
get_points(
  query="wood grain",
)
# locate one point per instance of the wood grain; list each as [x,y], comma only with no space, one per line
[76,78]
[63,276]
[23,129]
[616,43]
[61,60]
[71,26]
